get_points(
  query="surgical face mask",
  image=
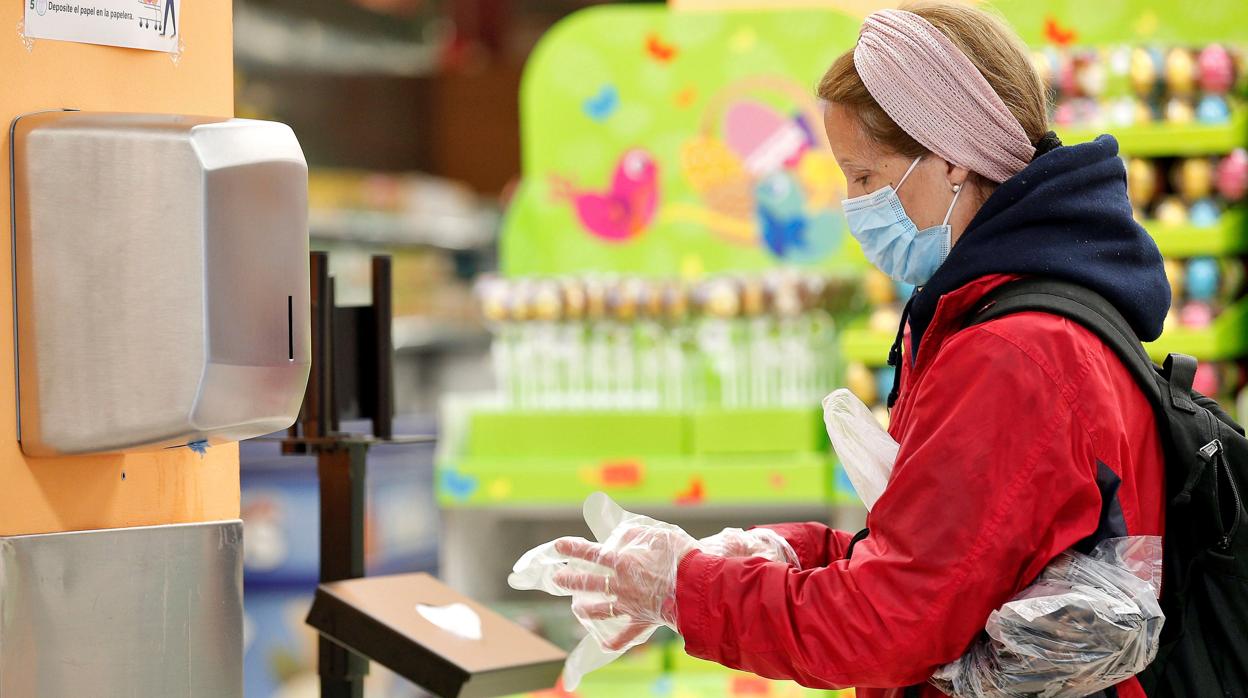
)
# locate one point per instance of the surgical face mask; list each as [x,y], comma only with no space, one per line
[891,240]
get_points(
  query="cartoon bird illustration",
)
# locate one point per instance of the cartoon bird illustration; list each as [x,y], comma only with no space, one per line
[627,208]
[789,231]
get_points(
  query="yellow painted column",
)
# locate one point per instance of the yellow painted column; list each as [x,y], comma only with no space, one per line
[41,495]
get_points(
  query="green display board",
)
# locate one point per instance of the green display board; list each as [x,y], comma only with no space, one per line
[665,143]
[678,144]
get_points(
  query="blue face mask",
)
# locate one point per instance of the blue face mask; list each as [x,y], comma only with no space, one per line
[891,240]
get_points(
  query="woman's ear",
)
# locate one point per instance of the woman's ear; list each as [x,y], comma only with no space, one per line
[956,175]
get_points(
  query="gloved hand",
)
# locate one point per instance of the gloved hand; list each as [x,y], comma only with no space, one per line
[757,542]
[623,587]
[607,581]
[637,578]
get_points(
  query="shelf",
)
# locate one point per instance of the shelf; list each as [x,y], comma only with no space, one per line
[450,232]
[864,346]
[750,480]
[588,433]
[1228,237]
[265,38]
[661,669]
[1226,339]
[420,333]
[1164,139]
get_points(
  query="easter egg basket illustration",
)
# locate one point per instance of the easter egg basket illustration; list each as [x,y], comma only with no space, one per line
[756,170]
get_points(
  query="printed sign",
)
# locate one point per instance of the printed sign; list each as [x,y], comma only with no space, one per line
[152,25]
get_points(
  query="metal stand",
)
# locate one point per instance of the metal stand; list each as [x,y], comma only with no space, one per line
[352,375]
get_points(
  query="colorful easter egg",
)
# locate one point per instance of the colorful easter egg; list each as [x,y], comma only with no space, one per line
[861,382]
[1090,75]
[1213,109]
[1066,113]
[1202,279]
[1122,112]
[1231,175]
[1180,71]
[1196,315]
[1204,213]
[1174,274]
[1233,277]
[1144,71]
[884,320]
[884,381]
[879,288]
[1171,211]
[1207,379]
[1193,178]
[1180,111]
[1142,181]
[1216,69]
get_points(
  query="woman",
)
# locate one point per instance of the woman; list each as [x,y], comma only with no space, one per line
[1020,438]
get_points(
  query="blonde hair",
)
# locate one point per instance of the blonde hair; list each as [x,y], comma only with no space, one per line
[995,50]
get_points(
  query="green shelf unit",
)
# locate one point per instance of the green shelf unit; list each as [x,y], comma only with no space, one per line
[503,457]
[555,434]
[679,480]
[662,669]
[738,432]
[723,684]
[1226,339]
[1164,139]
[865,346]
[1228,237]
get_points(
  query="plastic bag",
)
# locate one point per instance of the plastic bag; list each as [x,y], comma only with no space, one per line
[865,449]
[537,568]
[1087,623]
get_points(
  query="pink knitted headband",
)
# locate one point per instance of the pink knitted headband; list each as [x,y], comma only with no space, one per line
[935,94]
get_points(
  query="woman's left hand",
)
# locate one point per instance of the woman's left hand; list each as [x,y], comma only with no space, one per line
[638,580]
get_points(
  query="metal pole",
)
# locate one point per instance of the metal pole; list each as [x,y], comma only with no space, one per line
[343,478]
[383,357]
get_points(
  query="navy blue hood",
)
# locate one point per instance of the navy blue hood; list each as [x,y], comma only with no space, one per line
[1065,216]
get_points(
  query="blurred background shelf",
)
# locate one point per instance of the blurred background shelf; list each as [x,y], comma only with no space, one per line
[740,481]
[1166,139]
[1228,236]
[451,232]
[695,458]
[1226,338]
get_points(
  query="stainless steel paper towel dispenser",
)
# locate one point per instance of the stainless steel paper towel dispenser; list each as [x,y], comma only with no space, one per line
[160,280]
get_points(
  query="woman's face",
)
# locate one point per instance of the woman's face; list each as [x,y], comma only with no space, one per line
[868,166]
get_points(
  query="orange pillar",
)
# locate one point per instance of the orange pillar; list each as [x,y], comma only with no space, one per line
[42,495]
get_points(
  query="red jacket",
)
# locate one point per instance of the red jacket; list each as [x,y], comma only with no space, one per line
[1011,433]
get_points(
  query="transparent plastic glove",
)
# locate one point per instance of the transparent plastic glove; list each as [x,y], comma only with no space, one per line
[757,542]
[1089,622]
[606,580]
[638,578]
[865,450]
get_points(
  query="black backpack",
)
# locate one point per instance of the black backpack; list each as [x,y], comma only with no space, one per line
[1204,647]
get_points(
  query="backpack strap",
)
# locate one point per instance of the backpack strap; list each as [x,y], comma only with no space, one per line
[1086,307]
